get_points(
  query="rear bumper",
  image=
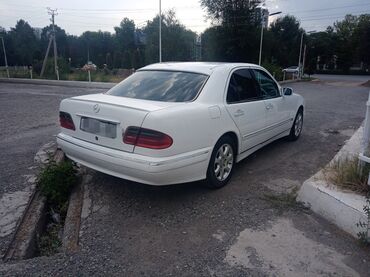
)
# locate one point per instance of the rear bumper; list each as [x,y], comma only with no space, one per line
[186,167]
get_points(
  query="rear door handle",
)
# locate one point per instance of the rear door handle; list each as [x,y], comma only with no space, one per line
[239,113]
[269,106]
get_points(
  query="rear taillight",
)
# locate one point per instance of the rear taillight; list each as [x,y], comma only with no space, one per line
[66,121]
[147,138]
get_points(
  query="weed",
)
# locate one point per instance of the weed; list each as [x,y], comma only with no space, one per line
[364,236]
[307,79]
[283,200]
[349,175]
[56,182]
[50,242]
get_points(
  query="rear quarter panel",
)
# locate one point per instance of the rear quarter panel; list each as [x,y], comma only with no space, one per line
[192,126]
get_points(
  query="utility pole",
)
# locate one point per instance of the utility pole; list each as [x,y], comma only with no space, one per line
[52,39]
[6,61]
[304,59]
[300,57]
[160,31]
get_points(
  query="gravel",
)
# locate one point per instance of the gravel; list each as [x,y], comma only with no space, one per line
[187,230]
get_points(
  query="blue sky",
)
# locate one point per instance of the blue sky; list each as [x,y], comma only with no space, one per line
[76,16]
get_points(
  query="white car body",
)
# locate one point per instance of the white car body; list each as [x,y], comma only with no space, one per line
[292,69]
[194,126]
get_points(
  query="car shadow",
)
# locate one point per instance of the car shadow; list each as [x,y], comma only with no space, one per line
[185,190]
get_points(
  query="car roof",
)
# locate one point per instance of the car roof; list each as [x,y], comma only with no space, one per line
[196,67]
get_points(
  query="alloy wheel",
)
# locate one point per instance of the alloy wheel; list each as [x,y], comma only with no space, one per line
[224,161]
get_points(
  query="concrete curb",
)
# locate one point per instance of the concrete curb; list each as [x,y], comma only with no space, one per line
[78,84]
[343,208]
[72,222]
[24,242]
[288,82]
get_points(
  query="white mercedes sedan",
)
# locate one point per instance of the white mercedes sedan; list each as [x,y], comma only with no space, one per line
[174,123]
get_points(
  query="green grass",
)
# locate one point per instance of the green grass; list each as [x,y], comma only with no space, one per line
[307,79]
[96,76]
[49,242]
[55,183]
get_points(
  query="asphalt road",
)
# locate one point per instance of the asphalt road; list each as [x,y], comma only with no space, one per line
[341,78]
[28,120]
[243,229]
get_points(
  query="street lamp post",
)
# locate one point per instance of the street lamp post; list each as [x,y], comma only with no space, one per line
[160,31]
[261,41]
[300,54]
[6,61]
[300,57]
[260,56]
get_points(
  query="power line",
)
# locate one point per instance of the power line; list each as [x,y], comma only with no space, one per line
[106,10]
[178,7]
[327,9]
[331,15]
[327,18]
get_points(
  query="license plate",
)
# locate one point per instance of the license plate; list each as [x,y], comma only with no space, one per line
[98,127]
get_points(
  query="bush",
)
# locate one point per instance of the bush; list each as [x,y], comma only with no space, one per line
[56,182]
[274,70]
[49,73]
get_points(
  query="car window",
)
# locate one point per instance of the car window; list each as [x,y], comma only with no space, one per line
[166,86]
[242,87]
[267,85]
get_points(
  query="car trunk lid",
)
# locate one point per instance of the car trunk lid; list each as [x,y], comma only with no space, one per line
[102,119]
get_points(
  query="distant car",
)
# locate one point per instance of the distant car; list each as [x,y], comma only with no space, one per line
[292,69]
[179,122]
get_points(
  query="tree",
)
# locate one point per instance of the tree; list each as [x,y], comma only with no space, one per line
[24,43]
[210,37]
[177,41]
[236,37]
[233,11]
[362,38]
[323,45]
[345,30]
[125,41]
[286,32]
[61,39]
[5,37]
[96,46]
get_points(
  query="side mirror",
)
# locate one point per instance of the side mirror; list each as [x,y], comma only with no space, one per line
[287,91]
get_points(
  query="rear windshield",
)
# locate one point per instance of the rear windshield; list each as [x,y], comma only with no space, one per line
[166,86]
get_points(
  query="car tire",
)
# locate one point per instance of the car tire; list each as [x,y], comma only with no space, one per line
[297,127]
[221,164]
